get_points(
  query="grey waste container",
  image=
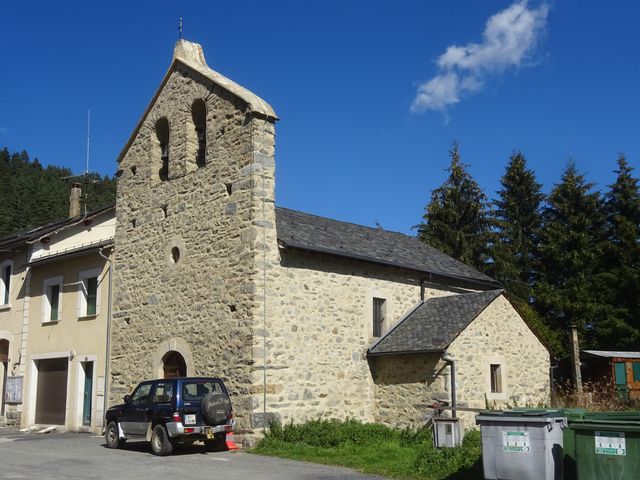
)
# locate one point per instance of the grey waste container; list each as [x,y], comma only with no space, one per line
[522,444]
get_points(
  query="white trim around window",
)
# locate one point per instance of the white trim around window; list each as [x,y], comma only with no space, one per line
[84,286]
[6,279]
[52,288]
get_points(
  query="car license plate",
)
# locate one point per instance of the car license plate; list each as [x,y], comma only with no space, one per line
[190,419]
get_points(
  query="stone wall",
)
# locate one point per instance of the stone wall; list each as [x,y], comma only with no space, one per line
[500,336]
[407,384]
[199,304]
[318,322]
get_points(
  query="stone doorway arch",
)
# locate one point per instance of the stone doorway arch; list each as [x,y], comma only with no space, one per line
[167,354]
[173,365]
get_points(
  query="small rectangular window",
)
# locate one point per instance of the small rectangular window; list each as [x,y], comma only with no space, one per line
[636,371]
[496,378]
[379,307]
[54,301]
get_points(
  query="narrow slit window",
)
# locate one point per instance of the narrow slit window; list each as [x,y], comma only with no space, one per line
[496,378]
[162,133]
[199,116]
[379,307]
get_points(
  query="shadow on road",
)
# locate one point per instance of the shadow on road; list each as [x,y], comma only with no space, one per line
[178,449]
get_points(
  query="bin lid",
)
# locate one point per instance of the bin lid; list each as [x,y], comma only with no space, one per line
[525,412]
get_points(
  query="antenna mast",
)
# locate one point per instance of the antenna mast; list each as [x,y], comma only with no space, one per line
[86,171]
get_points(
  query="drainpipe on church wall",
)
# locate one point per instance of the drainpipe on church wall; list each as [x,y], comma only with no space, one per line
[448,358]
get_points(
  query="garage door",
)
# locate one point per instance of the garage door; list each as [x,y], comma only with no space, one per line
[51,398]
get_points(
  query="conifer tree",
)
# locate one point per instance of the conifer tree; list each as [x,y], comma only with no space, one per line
[571,251]
[621,281]
[455,220]
[517,220]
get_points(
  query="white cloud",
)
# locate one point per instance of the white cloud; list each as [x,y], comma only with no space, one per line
[508,41]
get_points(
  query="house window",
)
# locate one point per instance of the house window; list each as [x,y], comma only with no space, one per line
[5,281]
[199,116]
[636,371]
[52,300]
[379,313]
[162,133]
[496,378]
[88,298]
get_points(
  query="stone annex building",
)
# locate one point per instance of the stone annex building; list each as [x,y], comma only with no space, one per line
[304,317]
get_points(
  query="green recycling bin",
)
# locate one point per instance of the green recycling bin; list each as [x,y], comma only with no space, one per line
[522,444]
[602,446]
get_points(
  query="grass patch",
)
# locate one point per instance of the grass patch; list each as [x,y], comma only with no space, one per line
[373,448]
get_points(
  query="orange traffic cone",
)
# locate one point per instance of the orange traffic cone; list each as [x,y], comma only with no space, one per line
[231,441]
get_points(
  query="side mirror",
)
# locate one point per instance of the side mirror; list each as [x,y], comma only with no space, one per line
[127,398]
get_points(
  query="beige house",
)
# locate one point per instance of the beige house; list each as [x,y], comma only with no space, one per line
[53,329]
[303,316]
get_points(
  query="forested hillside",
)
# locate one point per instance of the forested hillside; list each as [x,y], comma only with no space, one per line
[32,195]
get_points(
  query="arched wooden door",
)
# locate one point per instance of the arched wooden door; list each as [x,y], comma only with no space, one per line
[174,365]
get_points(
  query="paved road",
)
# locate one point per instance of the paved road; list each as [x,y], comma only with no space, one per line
[82,456]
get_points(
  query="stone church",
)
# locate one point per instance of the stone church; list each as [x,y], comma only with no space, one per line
[303,316]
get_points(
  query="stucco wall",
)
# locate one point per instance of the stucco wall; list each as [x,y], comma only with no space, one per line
[11,321]
[205,301]
[77,337]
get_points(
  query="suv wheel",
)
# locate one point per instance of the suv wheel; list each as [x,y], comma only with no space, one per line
[111,436]
[160,442]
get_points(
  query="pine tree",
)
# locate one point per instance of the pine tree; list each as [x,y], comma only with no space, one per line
[455,220]
[621,285]
[571,251]
[517,220]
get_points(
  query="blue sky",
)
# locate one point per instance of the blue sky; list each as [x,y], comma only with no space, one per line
[370,94]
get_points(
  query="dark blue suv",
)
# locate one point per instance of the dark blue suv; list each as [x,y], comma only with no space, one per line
[170,411]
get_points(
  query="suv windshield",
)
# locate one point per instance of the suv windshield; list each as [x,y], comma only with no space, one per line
[197,389]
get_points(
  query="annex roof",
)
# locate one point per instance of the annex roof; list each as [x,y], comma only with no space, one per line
[310,232]
[191,55]
[433,324]
[611,354]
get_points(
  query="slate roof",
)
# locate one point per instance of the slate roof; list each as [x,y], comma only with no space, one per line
[434,323]
[310,232]
[33,234]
